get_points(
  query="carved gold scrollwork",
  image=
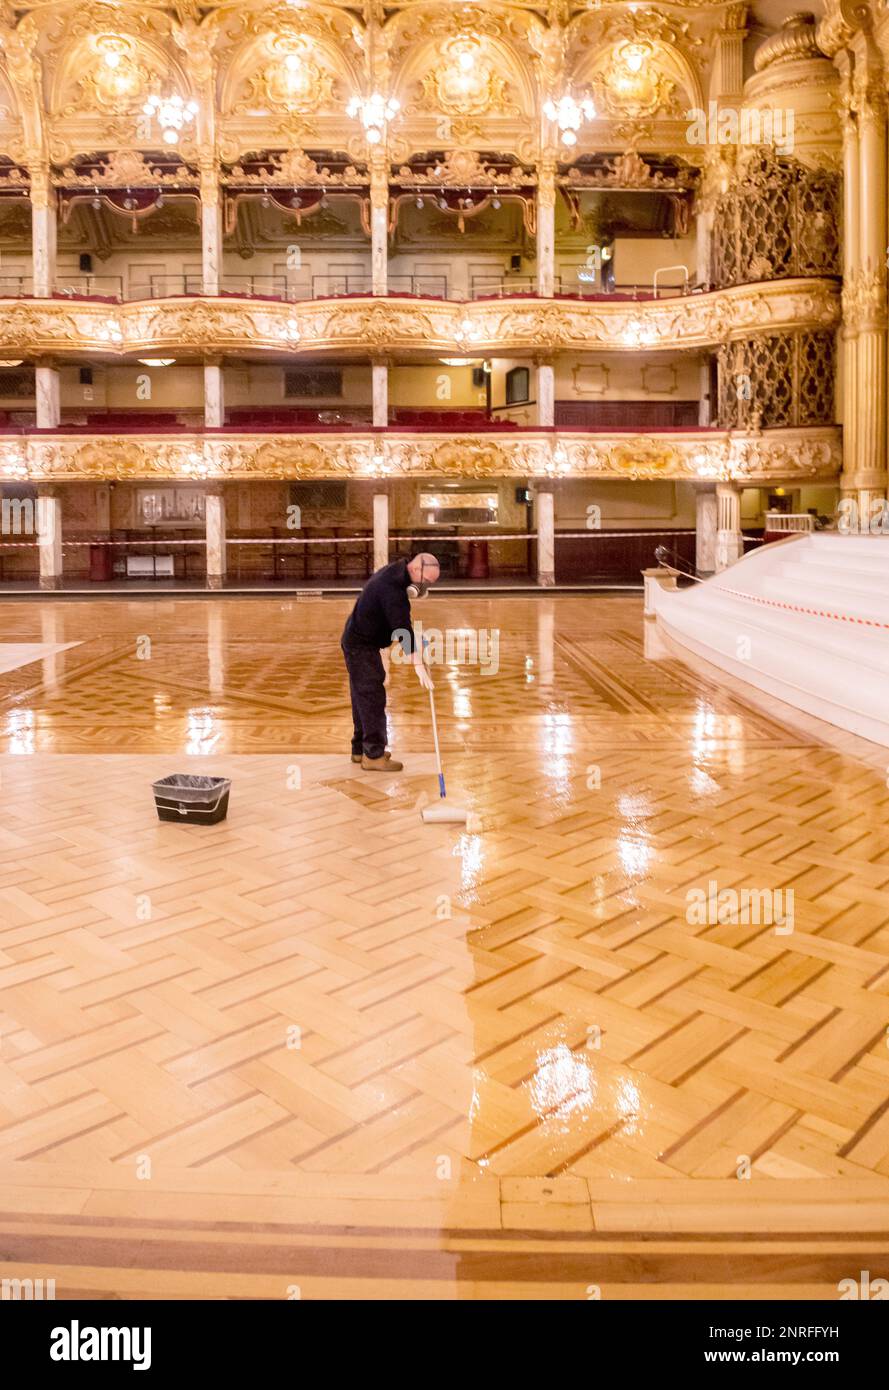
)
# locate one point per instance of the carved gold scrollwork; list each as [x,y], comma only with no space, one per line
[777,455]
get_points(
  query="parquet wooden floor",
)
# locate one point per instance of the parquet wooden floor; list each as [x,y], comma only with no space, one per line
[325,1046]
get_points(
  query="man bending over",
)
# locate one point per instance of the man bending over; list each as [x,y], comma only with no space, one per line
[381,611]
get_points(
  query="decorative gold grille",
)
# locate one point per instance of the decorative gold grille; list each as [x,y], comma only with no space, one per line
[779,221]
[777,380]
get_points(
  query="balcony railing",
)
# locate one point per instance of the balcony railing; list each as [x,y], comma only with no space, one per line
[571,285]
[16,286]
[285,289]
[494,286]
[90,287]
[163,286]
[789,523]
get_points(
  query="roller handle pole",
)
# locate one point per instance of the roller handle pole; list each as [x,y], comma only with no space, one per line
[441,780]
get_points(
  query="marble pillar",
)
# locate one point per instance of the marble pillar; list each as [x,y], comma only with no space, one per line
[214,395]
[705,530]
[49,537]
[46,385]
[380,386]
[546,539]
[381,530]
[546,394]
[211,229]
[546,228]
[216,548]
[44,224]
[379,224]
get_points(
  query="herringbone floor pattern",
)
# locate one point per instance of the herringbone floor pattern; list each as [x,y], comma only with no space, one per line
[498,1062]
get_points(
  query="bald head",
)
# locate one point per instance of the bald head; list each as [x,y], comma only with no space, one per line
[424,568]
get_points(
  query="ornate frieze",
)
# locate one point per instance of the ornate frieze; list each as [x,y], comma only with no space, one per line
[630,171]
[29,328]
[772,456]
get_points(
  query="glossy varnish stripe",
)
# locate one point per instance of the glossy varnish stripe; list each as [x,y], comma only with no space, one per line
[517,1056]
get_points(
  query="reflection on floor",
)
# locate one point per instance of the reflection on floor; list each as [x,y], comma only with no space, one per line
[324,1047]
[16,654]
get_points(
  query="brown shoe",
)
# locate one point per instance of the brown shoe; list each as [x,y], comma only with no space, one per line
[356,757]
[385,764]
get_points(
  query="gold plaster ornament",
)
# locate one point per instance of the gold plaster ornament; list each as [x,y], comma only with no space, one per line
[630,171]
[294,80]
[502,325]
[463,168]
[757,458]
[644,457]
[123,169]
[629,84]
[294,168]
[464,82]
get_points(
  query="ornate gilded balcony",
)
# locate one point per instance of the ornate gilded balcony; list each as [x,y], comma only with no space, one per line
[519,325]
[796,455]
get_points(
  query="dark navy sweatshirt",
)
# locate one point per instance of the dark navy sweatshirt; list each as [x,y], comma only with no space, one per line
[382,610]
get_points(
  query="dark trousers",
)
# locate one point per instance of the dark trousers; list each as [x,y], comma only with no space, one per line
[366,677]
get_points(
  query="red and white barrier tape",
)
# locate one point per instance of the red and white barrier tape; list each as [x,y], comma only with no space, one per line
[799,608]
[364,540]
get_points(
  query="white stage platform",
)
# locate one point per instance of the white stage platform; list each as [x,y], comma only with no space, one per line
[806,620]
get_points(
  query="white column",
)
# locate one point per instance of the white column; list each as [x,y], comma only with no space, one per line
[211,227]
[381,530]
[546,539]
[380,382]
[215,524]
[703,234]
[103,509]
[49,538]
[546,394]
[729,536]
[214,395]
[49,410]
[43,233]
[705,530]
[379,224]
[546,227]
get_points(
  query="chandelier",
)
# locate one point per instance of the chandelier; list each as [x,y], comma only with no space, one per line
[569,116]
[374,112]
[172,113]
